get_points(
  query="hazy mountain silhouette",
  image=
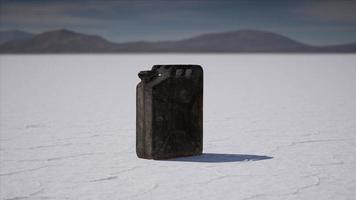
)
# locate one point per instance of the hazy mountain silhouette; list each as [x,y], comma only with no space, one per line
[58,41]
[6,36]
[237,41]
[65,41]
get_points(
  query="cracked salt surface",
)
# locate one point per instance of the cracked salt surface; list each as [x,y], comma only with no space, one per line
[275,127]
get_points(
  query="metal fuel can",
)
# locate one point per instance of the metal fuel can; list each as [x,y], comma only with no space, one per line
[169,112]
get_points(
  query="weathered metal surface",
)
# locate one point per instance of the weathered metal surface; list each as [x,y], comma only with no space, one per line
[169,112]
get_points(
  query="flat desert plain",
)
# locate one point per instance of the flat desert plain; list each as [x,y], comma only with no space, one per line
[275,127]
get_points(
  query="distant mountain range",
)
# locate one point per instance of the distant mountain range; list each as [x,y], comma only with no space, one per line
[6,36]
[243,41]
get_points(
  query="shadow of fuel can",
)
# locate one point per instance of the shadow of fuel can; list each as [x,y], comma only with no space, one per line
[169,112]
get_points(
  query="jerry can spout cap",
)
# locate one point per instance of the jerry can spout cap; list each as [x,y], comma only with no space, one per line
[147,75]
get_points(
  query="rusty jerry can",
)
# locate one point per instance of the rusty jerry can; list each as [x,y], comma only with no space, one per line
[169,112]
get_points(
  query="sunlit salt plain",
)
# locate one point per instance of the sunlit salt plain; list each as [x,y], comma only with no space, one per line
[275,127]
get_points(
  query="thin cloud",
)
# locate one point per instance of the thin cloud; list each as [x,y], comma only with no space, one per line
[23,14]
[340,11]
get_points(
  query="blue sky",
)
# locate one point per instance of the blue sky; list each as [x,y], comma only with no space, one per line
[313,22]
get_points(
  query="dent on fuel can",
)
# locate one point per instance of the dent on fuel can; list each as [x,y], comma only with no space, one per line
[169,112]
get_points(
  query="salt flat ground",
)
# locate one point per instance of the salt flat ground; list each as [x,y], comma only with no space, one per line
[275,127]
